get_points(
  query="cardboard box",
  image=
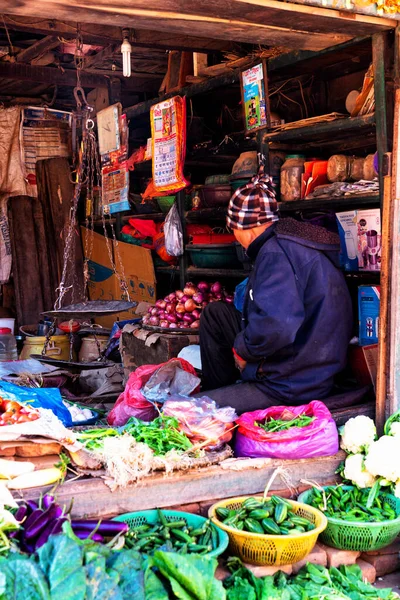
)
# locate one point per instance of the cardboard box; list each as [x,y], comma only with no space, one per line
[360,239]
[133,261]
[347,226]
[368,314]
[364,363]
[369,239]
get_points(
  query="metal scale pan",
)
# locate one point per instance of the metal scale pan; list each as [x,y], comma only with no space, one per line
[91,309]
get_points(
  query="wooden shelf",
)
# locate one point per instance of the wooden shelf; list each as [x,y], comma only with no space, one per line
[343,203]
[157,217]
[333,130]
[200,272]
[375,275]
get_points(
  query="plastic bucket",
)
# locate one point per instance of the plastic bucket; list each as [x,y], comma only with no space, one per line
[58,347]
[7,322]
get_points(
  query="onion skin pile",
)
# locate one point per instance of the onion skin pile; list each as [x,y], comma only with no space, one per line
[182,309]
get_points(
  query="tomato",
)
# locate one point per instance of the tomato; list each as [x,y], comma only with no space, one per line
[32,416]
[12,407]
[7,418]
[23,419]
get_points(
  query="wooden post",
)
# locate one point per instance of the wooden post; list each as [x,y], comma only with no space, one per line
[393,394]
[378,59]
[180,199]
[384,338]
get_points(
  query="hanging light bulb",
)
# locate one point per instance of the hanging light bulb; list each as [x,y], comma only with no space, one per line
[126,50]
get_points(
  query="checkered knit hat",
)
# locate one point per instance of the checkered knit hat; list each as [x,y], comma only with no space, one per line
[253,204]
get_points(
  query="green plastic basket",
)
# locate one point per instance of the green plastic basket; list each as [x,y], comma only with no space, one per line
[361,537]
[150,517]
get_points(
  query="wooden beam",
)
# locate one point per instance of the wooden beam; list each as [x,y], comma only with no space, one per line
[55,76]
[38,48]
[270,22]
[97,59]
[102,35]
[92,498]
[188,91]
[288,59]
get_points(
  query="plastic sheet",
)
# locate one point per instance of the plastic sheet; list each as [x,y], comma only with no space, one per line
[202,421]
[132,402]
[320,438]
[173,232]
[49,398]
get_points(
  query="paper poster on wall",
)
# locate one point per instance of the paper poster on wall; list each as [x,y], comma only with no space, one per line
[168,127]
[254,86]
[108,128]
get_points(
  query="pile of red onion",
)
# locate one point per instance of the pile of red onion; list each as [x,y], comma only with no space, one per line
[182,309]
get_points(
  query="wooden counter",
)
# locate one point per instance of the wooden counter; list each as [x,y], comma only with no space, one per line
[92,498]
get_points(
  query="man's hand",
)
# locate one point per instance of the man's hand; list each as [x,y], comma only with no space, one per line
[239,362]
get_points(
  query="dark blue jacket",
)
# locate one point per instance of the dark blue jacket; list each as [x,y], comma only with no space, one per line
[297,315]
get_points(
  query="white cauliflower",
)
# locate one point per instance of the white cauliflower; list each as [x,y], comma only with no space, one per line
[395,429]
[382,459]
[355,471]
[357,434]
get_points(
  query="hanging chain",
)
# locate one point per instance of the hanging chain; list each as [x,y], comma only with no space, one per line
[89,220]
[118,271]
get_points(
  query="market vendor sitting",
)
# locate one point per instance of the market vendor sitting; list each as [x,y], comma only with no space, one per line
[293,335]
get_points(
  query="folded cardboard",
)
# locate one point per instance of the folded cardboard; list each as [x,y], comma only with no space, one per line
[364,363]
[132,262]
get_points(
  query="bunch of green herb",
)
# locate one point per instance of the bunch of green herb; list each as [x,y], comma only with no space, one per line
[274,425]
[93,439]
[161,435]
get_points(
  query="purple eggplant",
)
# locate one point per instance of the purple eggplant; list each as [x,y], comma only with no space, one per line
[106,528]
[21,513]
[32,505]
[33,517]
[47,501]
[52,528]
[84,535]
[53,512]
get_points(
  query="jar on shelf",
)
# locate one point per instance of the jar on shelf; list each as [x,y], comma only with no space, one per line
[291,177]
[8,345]
[357,169]
[338,168]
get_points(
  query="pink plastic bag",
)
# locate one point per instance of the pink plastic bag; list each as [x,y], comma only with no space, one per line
[320,438]
[132,403]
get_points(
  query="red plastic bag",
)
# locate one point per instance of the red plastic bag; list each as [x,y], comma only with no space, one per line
[132,403]
[320,438]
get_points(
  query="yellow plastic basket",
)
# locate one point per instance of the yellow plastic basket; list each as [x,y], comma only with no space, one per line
[277,550]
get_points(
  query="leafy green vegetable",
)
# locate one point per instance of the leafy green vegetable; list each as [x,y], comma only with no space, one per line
[127,565]
[155,588]
[22,579]
[313,582]
[191,578]
[161,435]
[100,586]
[61,560]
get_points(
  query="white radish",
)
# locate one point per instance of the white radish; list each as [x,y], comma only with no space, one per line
[36,479]
[11,468]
